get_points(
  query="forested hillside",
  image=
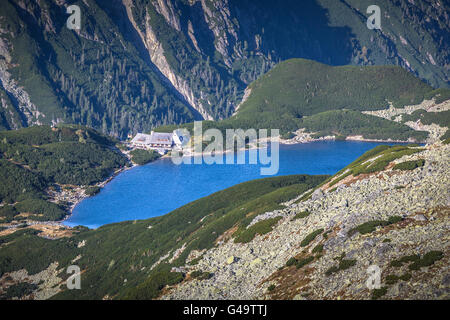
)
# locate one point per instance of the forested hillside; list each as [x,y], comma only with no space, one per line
[328,101]
[34,160]
[137,64]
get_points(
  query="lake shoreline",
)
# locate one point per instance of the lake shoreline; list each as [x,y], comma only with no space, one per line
[325,152]
[77,195]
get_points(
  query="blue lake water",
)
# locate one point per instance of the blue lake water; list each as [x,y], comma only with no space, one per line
[160,187]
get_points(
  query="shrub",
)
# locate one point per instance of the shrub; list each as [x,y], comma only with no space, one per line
[318,248]
[291,262]
[392,278]
[200,275]
[48,210]
[399,262]
[195,261]
[369,227]
[19,290]
[331,270]
[8,212]
[271,288]
[152,287]
[428,259]
[343,265]
[142,157]
[409,165]
[261,227]
[310,237]
[394,219]
[378,293]
[304,262]
[91,191]
[301,215]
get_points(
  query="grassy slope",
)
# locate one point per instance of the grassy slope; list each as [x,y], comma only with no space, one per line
[298,88]
[127,250]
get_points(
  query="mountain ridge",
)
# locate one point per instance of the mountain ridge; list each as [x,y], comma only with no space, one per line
[138,64]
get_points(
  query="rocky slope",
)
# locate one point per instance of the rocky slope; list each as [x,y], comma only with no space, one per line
[137,64]
[346,235]
[435,131]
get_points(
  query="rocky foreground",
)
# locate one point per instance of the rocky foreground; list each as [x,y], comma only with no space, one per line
[397,221]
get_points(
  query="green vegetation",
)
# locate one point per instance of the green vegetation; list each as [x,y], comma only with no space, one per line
[399,262]
[299,263]
[370,226]
[261,227]
[303,262]
[318,248]
[43,210]
[271,288]
[132,245]
[440,95]
[326,100]
[19,290]
[200,275]
[342,123]
[195,261]
[427,260]
[440,118]
[301,215]
[92,191]
[33,159]
[342,265]
[152,287]
[310,237]
[373,161]
[298,88]
[409,165]
[393,279]
[416,262]
[292,261]
[378,293]
[142,157]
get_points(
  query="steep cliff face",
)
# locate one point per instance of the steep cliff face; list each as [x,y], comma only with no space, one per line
[136,64]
